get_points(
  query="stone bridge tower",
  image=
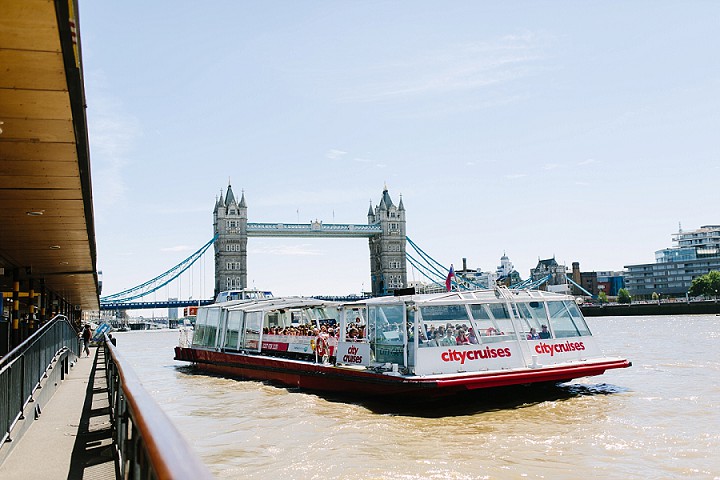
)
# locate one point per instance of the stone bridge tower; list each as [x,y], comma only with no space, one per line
[230,226]
[388,266]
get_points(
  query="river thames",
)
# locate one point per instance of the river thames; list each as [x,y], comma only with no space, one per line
[658,419]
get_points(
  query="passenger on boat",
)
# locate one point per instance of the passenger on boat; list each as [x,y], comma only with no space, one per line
[448,339]
[435,340]
[352,334]
[421,332]
[462,338]
[544,333]
[471,336]
[533,335]
[332,343]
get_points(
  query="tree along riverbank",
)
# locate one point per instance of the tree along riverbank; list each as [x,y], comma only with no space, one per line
[662,308]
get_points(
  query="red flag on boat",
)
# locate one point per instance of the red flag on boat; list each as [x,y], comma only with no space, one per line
[448,280]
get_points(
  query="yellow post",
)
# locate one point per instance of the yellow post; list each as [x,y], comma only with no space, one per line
[16,308]
[31,306]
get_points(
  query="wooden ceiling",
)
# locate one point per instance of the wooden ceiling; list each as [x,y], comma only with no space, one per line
[46,216]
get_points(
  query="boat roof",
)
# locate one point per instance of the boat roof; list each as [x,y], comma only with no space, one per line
[275,303]
[469,296]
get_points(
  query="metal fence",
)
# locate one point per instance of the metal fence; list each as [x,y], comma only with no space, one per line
[148,444]
[24,367]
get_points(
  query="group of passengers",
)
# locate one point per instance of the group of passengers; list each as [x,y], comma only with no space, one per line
[534,335]
[300,330]
[448,335]
[354,332]
[444,335]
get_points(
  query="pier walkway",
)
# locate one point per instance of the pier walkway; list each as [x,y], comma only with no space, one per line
[72,437]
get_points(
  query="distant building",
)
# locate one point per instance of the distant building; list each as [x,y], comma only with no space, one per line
[172,311]
[474,278]
[557,281]
[696,253]
[587,280]
[506,273]
[610,282]
[421,287]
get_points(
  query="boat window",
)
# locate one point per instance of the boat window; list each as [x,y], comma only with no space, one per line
[411,336]
[445,325]
[355,324]
[211,326]
[496,323]
[387,333]
[199,335]
[233,329]
[297,318]
[532,315]
[577,318]
[278,319]
[253,323]
[319,313]
[561,321]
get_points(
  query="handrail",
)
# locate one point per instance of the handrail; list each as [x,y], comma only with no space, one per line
[28,342]
[148,444]
[24,367]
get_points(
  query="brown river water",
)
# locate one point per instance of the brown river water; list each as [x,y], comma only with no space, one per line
[658,419]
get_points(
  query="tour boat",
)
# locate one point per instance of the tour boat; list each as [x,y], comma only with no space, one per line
[416,345]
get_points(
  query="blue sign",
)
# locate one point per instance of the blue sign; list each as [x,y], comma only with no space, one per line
[100,331]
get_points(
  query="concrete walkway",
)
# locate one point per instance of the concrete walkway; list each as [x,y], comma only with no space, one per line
[72,438]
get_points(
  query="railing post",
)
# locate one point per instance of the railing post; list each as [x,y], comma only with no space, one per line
[21,398]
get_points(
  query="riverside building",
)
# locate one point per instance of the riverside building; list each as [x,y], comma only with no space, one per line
[696,253]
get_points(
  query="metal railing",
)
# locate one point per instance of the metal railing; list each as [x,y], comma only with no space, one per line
[148,444]
[24,367]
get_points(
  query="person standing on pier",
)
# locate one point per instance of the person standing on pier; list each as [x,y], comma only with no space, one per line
[86,334]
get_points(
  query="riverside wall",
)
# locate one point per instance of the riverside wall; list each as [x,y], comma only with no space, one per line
[651,308]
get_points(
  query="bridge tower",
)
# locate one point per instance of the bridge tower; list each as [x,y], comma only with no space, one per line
[230,226]
[388,267]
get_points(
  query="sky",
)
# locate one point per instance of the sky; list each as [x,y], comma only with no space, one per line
[584,131]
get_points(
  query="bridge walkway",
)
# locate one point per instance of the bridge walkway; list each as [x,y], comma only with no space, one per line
[72,438]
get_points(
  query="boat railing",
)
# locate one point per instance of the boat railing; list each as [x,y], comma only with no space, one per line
[148,444]
[23,370]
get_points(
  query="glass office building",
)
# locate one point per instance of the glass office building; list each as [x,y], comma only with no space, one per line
[696,253]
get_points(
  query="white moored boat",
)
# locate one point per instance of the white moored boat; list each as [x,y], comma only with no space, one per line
[426,345]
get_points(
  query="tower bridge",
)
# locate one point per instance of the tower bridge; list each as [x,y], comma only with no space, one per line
[385,232]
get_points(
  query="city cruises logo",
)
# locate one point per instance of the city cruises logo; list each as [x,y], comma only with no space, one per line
[352,356]
[462,355]
[545,348]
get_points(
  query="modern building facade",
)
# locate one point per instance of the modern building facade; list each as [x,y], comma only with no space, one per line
[696,253]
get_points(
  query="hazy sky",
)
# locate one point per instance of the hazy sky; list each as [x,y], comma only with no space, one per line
[580,130]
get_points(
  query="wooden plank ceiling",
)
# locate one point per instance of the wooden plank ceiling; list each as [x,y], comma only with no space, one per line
[46,224]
